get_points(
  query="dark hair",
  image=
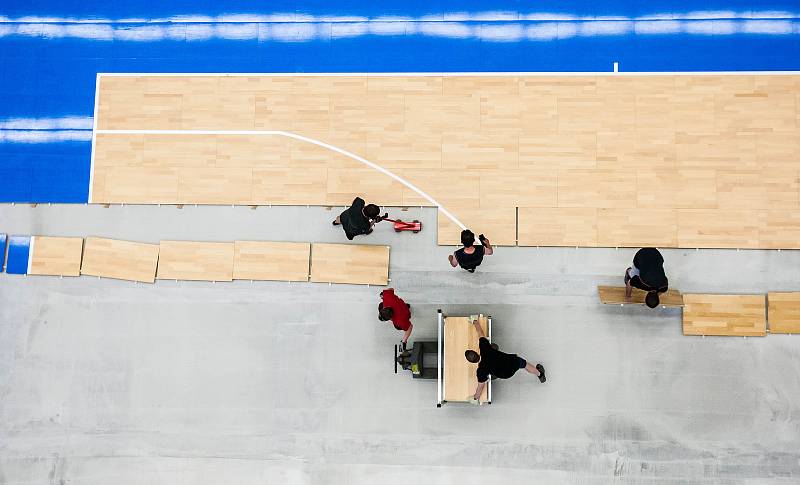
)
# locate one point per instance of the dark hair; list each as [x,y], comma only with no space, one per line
[372,211]
[651,300]
[467,237]
[472,356]
[384,312]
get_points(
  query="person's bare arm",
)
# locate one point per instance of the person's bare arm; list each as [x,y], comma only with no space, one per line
[628,287]
[452,260]
[479,391]
[478,328]
[408,333]
[486,244]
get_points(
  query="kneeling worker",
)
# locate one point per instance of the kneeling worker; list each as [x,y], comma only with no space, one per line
[498,364]
[647,273]
[358,219]
[393,308]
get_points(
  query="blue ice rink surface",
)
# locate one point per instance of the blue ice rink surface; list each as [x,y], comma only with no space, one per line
[50,53]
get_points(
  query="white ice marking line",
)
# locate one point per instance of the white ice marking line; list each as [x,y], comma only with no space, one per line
[306,139]
[94,134]
[30,254]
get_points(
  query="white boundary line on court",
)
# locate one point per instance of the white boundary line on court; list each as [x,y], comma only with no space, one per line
[94,134]
[296,137]
[449,74]
[30,254]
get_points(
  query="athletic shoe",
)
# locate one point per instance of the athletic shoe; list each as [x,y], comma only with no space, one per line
[540,368]
[335,223]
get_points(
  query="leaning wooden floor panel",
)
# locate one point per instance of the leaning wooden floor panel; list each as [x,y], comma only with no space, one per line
[274,261]
[56,256]
[460,377]
[124,260]
[732,315]
[615,295]
[195,261]
[784,312]
[350,263]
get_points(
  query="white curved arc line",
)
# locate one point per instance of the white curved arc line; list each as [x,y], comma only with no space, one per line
[306,139]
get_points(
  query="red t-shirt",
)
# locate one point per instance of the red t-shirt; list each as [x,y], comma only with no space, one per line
[402,315]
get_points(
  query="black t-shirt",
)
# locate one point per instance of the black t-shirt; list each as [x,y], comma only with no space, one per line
[470,261]
[499,364]
[651,276]
[353,219]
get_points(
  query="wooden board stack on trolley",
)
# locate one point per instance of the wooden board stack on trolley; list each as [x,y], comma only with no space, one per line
[456,378]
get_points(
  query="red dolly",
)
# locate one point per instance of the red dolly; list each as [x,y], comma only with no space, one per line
[414,226]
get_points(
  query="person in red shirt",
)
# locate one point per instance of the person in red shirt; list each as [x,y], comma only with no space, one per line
[395,309]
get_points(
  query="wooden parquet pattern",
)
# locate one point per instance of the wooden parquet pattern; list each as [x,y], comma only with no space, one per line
[56,256]
[731,315]
[661,160]
[460,375]
[784,312]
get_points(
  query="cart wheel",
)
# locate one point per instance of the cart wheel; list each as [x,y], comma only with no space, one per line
[396,230]
[420,227]
[438,405]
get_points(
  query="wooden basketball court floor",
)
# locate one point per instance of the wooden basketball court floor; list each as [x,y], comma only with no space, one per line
[669,160]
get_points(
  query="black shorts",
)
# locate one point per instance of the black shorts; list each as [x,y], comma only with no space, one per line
[522,362]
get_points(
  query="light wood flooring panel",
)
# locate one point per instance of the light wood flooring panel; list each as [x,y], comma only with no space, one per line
[253,151]
[300,114]
[123,260]
[558,150]
[558,227]
[779,230]
[496,151]
[676,188]
[405,150]
[179,151]
[443,112]
[56,256]
[460,375]
[277,186]
[758,189]
[716,150]
[636,149]
[711,228]
[350,263]
[518,188]
[732,315]
[215,186]
[386,113]
[112,150]
[497,224]
[784,312]
[195,261]
[778,149]
[454,190]
[275,261]
[637,228]
[596,188]
[615,295]
[138,186]
[369,184]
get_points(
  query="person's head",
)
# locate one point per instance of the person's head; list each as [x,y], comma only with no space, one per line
[651,300]
[467,238]
[372,211]
[385,313]
[472,356]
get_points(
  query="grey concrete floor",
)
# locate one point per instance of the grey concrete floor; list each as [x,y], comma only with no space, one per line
[110,382]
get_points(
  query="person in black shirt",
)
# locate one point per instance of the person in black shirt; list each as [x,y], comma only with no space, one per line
[647,273]
[470,256]
[358,219]
[494,363]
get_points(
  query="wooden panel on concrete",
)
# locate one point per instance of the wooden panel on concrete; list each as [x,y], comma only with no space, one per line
[784,312]
[637,228]
[56,256]
[712,228]
[460,378]
[196,261]
[123,260]
[558,227]
[615,295]
[498,225]
[350,263]
[732,315]
[276,261]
